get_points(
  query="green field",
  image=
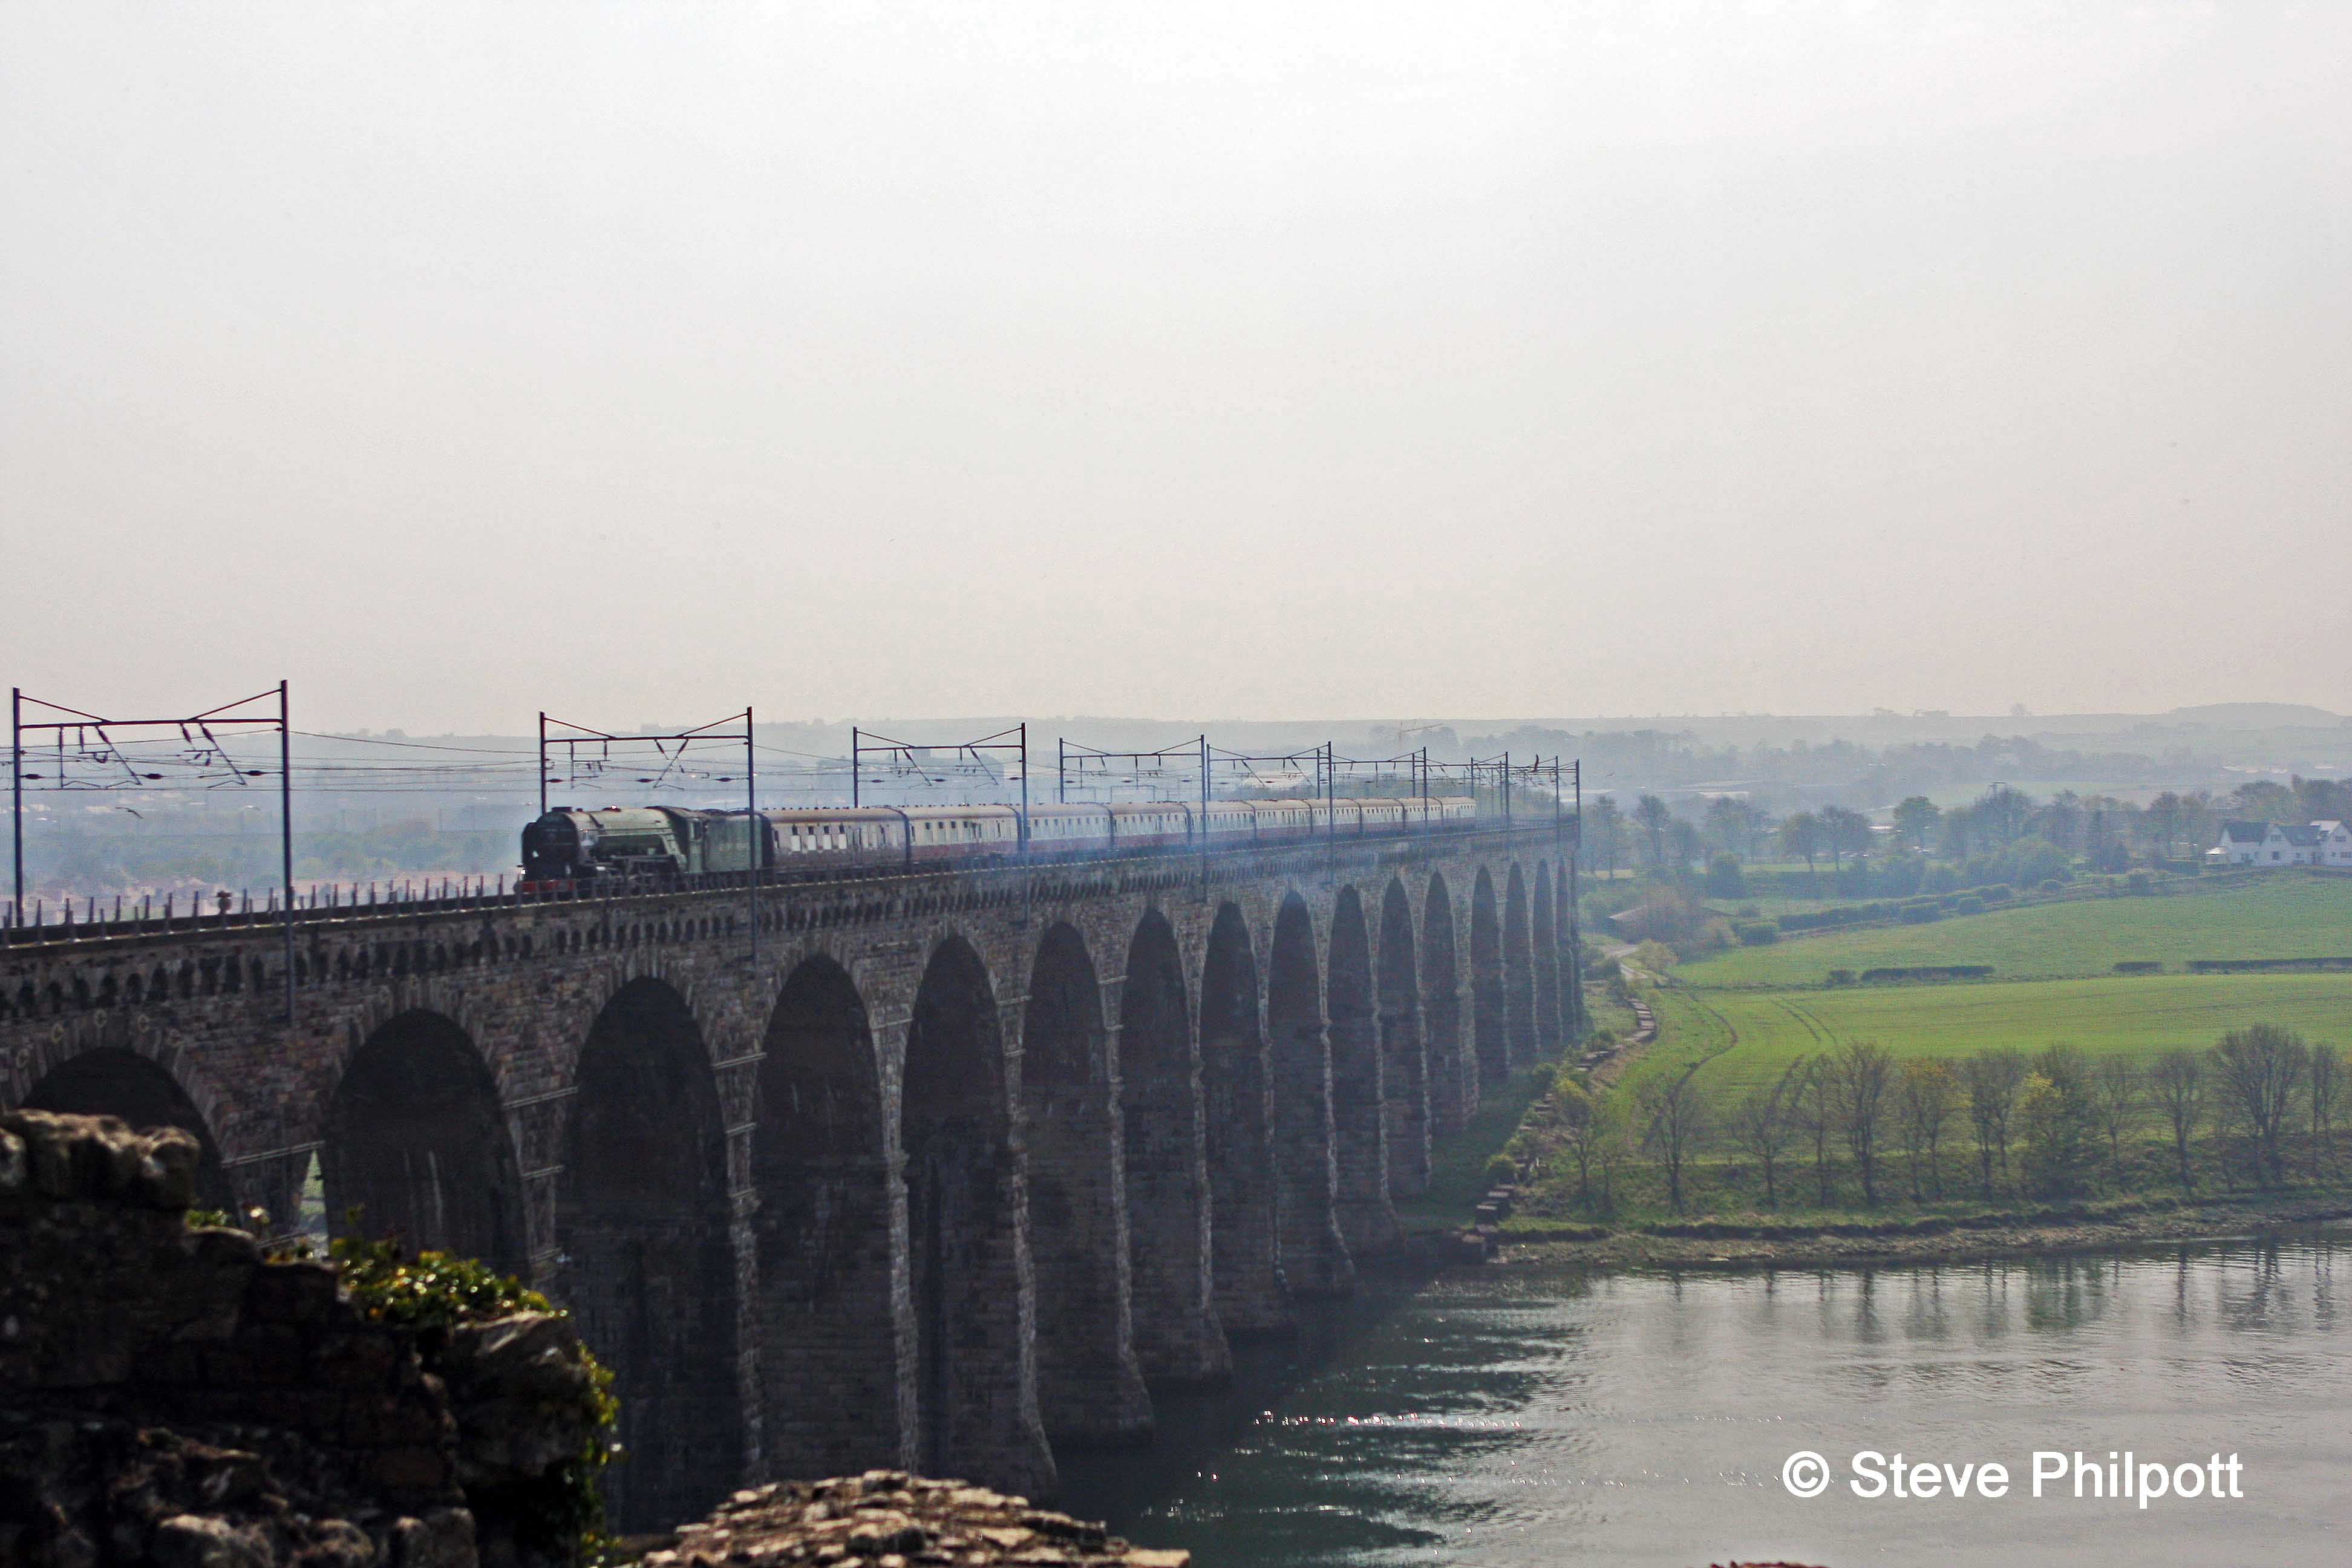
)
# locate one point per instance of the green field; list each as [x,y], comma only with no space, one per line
[2287,915]
[1746,1036]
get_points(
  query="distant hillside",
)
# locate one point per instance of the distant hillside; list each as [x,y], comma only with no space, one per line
[2257,715]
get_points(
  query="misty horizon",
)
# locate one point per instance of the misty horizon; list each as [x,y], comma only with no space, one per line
[457,365]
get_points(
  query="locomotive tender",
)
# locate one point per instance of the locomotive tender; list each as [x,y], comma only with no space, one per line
[569,844]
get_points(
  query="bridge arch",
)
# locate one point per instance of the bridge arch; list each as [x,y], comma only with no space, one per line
[1090,1389]
[968,1265]
[1237,1111]
[1453,1069]
[1519,972]
[823,1235]
[1314,1255]
[1490,1041]
[1404,1066]
[1550,1036]
[117,1081]
[416,1142]
[1359,1100]
[1177,1337]
[643,1216]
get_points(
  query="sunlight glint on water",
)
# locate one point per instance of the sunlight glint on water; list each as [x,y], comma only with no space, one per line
[1507,1418]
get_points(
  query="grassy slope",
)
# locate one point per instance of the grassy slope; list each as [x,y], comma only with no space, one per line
[1457,1161]
[2147,1014]
[2295,916]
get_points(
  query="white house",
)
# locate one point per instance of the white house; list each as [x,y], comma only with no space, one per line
[2241,842]
[2300,844]
[2270,844]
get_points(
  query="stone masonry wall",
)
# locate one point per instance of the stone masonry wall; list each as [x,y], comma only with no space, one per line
[167,1395]
[1234,1162]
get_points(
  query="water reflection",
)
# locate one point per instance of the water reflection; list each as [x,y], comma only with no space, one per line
[1504,1418]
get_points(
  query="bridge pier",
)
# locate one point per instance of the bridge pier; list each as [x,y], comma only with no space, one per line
[1367,1218]
[1453,1065]
[969,1278]
[653,1249]
[1489,1024]
[1089,1388]
[1237,1105]
[1404,1064]
[1518,974]
[1551,1037]
[1177,1336]
[1314,1254]
[828,1232]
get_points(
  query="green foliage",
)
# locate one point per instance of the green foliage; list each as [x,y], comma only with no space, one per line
[1724,877]
[1654,957]
[1756,933]
[430,1293]
[2059,1124]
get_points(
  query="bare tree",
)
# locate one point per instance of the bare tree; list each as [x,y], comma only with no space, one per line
[2260,1068]
[1992,1078]
[1915,818]
[1816,1104]
[2177,1080]
[2327,1095]
[1603,831]
[1582,1126]
[1800,834]
[2118,1092]
[1863,1069]
[1925,1096]
[1654,818]
[1674,1118]
[1765,1122]
[1609,1147]
[1848,832]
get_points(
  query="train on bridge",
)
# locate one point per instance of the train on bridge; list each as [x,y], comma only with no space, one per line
[569,845]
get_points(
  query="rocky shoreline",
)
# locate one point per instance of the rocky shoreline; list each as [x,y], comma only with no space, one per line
[1700,1244]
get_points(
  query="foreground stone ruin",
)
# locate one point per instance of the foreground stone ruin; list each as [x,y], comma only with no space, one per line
[890,1518]
[170,1395]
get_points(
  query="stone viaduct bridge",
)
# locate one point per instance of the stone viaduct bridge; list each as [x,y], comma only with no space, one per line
[950,1172]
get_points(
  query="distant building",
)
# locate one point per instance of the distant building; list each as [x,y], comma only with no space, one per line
[2268,844]
[2292,845]
[2241,844]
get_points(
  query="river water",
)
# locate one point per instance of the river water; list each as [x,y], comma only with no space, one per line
[1511,1416]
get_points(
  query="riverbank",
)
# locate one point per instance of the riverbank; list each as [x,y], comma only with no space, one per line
[1723,1244]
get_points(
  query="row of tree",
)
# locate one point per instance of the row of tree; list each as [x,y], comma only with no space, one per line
[2004,825]
[2040,1123]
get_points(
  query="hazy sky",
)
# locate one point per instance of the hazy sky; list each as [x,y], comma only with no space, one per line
[1264,361]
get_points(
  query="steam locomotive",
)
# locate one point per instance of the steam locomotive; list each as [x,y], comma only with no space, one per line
[569,844]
